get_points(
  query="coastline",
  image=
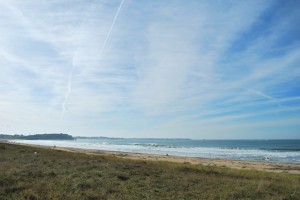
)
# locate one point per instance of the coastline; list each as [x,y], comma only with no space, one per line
[39,172]
[215,162]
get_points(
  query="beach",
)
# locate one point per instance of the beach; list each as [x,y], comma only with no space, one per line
[40,172]
[234,164]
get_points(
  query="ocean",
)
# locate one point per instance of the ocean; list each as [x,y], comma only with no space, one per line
[284,151]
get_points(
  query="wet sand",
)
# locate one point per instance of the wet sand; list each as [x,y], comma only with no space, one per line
[234,164]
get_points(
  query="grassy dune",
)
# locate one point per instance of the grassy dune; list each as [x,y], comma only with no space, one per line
[55,174]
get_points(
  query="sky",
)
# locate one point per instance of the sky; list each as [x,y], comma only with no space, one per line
[197,69]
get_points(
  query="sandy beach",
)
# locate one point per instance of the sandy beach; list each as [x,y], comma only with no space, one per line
[234,164]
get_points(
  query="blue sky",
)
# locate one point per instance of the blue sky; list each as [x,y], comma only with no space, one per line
[174,68]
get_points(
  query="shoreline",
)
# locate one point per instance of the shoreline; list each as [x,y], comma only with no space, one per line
[214,162]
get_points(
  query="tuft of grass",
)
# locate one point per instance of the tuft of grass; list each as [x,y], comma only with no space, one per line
[55,174]
[2,147]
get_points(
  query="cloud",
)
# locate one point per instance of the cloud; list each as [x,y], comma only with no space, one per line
[168,66]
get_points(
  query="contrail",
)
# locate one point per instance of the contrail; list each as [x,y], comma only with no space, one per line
[274,100]
[111,27]
[68,91]
[70,79]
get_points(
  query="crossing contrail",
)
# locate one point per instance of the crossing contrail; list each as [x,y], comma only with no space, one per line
[111,27]
[274,100]
[69,89]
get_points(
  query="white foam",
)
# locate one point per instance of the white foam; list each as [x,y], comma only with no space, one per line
[205,152]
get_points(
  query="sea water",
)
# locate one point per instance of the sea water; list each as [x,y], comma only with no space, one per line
[286,151]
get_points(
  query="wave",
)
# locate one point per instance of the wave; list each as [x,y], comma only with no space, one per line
[281,149]
[156,145]
[155,148]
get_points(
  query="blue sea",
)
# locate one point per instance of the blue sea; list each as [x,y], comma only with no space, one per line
[285,151]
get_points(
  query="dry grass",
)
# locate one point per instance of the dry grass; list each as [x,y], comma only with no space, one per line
[54,174]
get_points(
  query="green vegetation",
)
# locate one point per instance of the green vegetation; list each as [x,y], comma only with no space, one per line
[49,136]
[56,174]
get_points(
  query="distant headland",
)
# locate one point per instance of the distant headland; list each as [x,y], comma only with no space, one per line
[46,136]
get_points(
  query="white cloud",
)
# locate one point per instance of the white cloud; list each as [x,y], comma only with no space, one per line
[165,61]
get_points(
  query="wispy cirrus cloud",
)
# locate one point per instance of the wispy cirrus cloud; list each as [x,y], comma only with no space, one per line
[169,69]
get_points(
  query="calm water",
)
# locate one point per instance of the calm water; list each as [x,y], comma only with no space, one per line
[287,151]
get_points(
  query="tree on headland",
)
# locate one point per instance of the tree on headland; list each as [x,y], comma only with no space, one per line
[49,136]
